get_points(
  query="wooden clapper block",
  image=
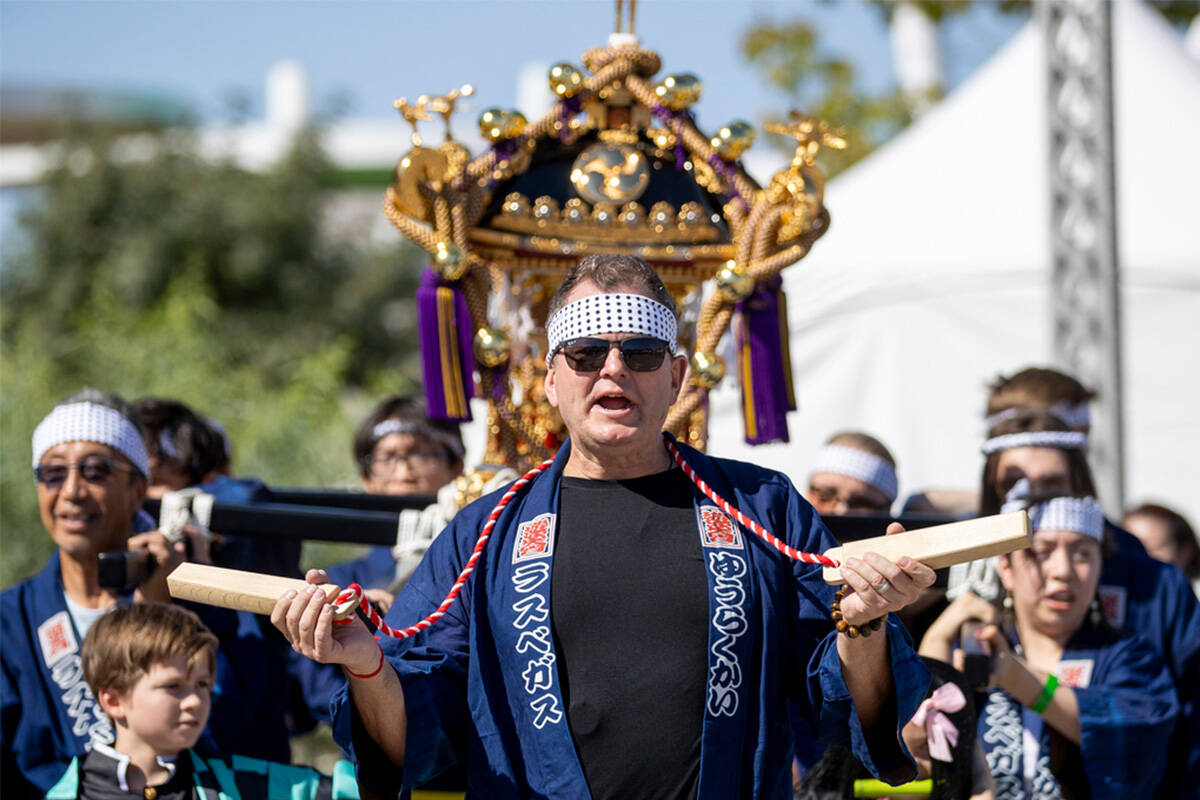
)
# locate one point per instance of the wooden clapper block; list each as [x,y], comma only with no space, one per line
[240,590]
[941,545]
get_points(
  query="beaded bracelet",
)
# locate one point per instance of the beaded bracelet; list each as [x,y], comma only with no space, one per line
[373,674]
[852,631]
[1043,699]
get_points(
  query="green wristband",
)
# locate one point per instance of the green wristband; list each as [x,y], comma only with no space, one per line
[1043,699]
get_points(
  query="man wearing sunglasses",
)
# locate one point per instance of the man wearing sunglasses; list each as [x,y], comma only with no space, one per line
[90,469]
[623,636]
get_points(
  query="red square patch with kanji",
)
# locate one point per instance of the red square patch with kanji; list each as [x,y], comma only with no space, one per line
[57,638]
[719,529]
[535,538]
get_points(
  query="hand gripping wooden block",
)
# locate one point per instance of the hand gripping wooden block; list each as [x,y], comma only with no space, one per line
[941,545]
[240,590]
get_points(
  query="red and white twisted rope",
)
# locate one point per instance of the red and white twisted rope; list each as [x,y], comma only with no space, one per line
[728,508]
[354,593]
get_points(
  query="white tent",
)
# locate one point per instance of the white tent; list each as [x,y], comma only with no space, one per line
[933,277]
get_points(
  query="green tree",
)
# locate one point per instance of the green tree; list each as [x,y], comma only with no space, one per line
[170,275]
[789,58]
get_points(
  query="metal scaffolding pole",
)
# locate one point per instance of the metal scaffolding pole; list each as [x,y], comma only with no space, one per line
[1085,293]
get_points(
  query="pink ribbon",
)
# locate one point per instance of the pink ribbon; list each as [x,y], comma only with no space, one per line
[939,730]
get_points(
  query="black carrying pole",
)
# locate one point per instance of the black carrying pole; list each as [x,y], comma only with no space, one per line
[359,518]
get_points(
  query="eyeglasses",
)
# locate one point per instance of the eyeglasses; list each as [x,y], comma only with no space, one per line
[96,469]
[416,460]
[828,496]
[640,354]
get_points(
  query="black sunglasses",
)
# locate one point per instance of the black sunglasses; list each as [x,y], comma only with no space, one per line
[640,354]
[96,469]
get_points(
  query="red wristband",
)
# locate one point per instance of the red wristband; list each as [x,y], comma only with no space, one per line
[372,675]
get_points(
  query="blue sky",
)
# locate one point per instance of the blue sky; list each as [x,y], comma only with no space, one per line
[369,53]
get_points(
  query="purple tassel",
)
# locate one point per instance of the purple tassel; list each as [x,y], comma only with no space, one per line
[445,329]
[764,363]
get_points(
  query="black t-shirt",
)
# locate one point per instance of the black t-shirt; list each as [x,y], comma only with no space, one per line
[629,606]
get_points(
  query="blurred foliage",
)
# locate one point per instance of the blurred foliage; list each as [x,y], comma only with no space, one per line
[788,56]
[1176,12]
[171,275]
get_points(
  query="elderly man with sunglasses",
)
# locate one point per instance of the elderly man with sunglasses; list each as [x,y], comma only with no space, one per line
[90,467]
[622,635]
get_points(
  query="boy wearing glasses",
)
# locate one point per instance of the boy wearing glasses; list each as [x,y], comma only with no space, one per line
[623,636]
[90,467]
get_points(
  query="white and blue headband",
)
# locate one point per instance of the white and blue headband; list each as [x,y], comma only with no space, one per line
[610,313]
[90,422]
[1081,515]
[390,426]
[859,464]
[1063,440]
[1077,415]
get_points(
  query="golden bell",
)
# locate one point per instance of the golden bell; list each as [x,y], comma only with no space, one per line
[734,282]
[496,124]
[565,80]
[708,368]
[733,140]
[449,261]
[514,124]
[677,92]
[491,347]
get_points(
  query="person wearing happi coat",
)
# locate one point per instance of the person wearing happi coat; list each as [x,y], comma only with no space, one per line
[622,634]
[91,468]
[1136,593]
[1074,708]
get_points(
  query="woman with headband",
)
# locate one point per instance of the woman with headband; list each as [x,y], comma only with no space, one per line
[1073,705]
[1136,593]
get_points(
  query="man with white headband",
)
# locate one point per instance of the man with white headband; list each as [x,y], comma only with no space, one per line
[852,473]
[623,636]
[90,467]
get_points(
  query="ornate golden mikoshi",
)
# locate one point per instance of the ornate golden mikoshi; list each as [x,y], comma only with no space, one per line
[613,167]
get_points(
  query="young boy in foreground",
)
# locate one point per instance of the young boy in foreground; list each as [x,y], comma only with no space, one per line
[151,668]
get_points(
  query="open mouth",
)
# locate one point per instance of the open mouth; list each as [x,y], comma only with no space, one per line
[1060,601]
[614,402]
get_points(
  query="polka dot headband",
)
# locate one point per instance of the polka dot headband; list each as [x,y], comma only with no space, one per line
[858,464]
[610,313]
[91,422]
